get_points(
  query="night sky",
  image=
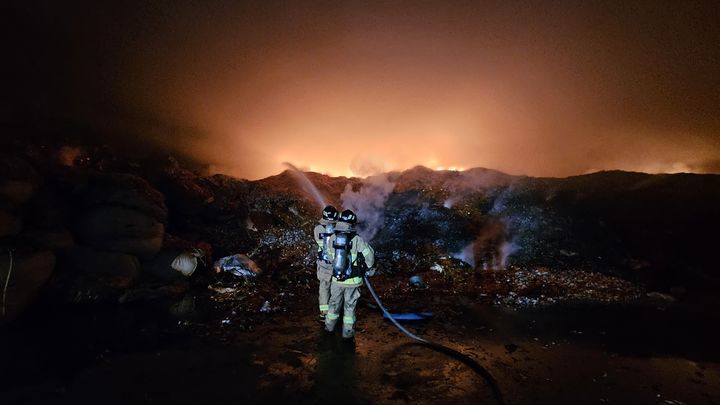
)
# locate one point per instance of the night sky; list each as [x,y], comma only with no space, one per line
[544,88]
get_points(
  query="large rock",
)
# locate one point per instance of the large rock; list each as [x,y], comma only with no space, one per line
[29,272]
[9,224]
[120,229]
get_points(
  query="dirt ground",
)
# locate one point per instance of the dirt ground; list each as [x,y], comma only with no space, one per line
[639,353]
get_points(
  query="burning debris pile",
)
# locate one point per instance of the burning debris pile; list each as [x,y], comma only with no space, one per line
[115,227]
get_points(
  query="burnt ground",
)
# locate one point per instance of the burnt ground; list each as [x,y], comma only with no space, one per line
[643,351]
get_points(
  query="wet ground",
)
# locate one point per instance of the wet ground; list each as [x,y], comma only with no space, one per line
[642,352]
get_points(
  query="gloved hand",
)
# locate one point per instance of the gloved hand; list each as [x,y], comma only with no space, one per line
[370,272]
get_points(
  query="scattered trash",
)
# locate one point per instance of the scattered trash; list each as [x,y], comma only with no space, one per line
[238,264]
[673,402]
[660,296]
[436,267]
[265,307]
[222,290]
[186,262]
[539,287]
[417,281]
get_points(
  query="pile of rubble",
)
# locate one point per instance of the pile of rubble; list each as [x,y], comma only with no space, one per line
[541,286]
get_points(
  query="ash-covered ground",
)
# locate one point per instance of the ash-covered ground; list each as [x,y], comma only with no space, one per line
[590,289]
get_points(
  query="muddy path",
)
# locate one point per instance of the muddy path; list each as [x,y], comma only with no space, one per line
[642,353]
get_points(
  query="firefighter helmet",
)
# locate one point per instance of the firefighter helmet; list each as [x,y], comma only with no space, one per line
[349,217]
[330,213]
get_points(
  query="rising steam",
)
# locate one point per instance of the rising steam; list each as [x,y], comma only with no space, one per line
[369,203]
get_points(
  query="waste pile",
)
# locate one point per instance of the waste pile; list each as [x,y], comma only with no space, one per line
[88,227]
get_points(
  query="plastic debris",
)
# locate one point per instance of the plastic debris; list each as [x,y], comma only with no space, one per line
[239,265]
[419,316]
[186,262]
[417,281]
[265,307]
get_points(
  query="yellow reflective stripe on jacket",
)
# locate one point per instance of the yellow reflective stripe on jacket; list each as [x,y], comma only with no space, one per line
[351,282]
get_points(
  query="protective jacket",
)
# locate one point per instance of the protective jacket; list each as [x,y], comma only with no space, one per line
[322,234]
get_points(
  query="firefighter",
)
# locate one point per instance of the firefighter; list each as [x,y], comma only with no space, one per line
[352,259]
[323,232]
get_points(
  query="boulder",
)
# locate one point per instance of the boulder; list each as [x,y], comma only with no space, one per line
[9,224]
[28,274]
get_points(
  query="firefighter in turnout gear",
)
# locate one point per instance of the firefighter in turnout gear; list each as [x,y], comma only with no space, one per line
[322,233]
[352,258]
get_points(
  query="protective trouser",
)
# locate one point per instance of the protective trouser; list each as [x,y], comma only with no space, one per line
[324,275]
[347,298]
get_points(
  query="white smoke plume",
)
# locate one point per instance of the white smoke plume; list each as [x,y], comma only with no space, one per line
[470,181]
[507,249]
[467,255]
[368,203]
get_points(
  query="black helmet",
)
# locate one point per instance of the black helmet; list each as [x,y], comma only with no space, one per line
[330,213]
[349,217]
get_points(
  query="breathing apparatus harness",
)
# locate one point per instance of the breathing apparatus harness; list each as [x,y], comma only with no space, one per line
[325,251]
[343,266]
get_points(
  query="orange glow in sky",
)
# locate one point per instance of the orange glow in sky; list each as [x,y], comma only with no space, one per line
[541,89]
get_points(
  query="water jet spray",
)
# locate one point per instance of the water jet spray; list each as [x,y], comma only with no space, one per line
[306,184]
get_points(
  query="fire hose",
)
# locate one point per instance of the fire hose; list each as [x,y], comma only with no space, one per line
[7,281]
[467,360]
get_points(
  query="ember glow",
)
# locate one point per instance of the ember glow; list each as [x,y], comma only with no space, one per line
[537,89]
